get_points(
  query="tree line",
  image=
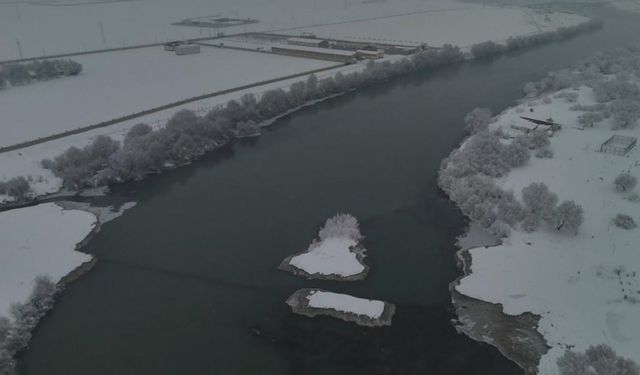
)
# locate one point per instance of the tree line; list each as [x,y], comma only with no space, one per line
[15,333]
[188,136]
[490,48]
[19,74]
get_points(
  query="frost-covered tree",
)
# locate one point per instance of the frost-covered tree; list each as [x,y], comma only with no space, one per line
[515,154]
[624,221]
[341,225]
[596,360]
[247,129]
[478,120]
[78,167]
[43,70]
[137,130]
[544,153]
[625,112]
[530,89]
[16,74]
[15,335]
[625,182]
[69,67]
[606,90]
[589,119]
[530,223]
[539,200]
[488,48]
[568,217]
[3,81]
[17,187]
[509,210]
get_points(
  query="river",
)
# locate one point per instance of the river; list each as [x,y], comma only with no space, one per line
[186,282]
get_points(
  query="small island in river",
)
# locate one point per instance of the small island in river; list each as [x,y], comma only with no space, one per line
[336,255]
[365,312]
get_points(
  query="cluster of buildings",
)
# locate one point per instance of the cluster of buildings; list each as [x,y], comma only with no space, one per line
[182,48]
[323,49]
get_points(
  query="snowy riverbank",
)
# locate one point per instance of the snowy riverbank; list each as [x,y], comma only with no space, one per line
[39,240]
[584,288]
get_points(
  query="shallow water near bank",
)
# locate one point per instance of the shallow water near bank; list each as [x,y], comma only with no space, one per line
[186,281]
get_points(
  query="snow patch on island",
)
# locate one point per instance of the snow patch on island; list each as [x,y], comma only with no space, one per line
[365,312]
[337,255]
[346,303]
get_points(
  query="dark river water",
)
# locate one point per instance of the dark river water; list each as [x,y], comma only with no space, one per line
[186,278]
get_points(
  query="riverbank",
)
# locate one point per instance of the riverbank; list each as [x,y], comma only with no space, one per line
[554,290]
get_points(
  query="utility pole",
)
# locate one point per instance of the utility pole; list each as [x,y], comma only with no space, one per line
[18,13]
[104,39]
[19,48]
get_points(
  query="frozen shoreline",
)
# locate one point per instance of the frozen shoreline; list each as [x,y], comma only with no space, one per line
[536,294]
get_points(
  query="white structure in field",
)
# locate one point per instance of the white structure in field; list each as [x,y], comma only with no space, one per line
[187,49]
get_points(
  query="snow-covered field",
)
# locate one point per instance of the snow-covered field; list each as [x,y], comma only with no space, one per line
[115,84]
[461,26]
[44,30]
[37,241]
[586,288]
[330,256]
[346,303]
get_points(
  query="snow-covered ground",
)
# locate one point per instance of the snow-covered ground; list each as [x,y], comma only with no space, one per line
[35,241]
[586,288]
[346,303]
[461,26]
[119,83]
[330,256]
[46,30]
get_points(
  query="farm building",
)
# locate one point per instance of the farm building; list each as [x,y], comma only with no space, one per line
[187,49]
[619,145]
[308,42]
[316,53]
[171,46]
[371,55]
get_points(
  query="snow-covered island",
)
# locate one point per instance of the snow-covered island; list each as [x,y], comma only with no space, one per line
[565,278]
[337,254]
[365,312]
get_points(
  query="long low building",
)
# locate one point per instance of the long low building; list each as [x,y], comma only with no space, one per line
[317,53]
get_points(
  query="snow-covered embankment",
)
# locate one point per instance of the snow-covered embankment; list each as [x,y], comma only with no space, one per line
[575,290]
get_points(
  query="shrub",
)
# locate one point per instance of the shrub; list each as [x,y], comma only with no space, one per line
[568,217]
[478,120]
[341,225]
[544,153]
[485,49]
[597,360]
[17,187]
[624,221]
[539,200]
[625,182]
